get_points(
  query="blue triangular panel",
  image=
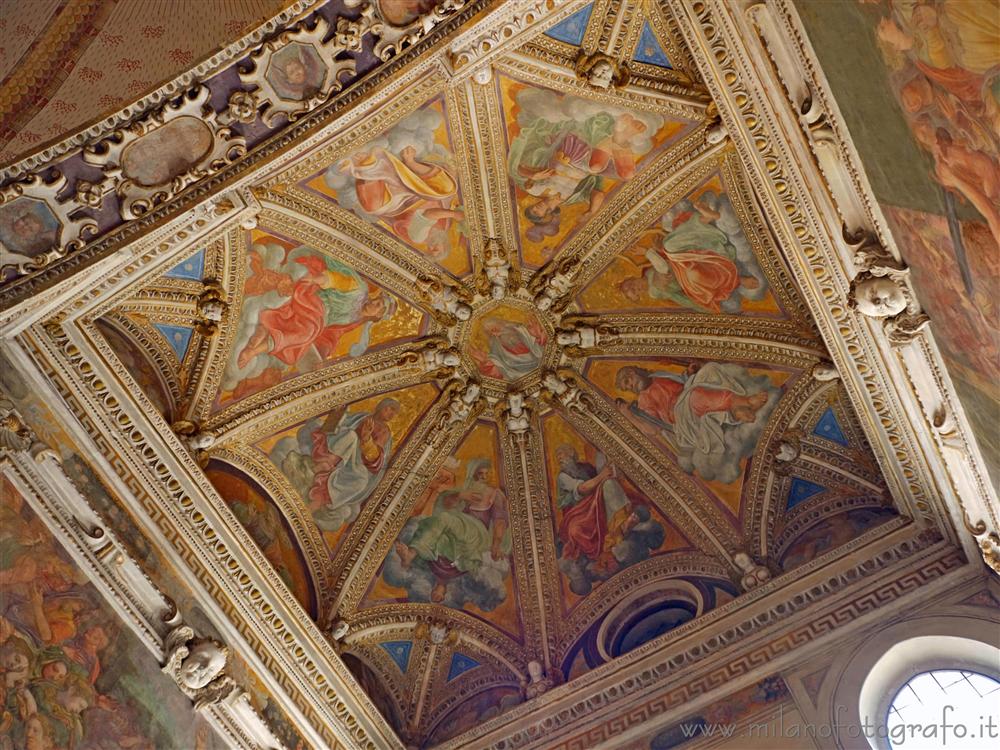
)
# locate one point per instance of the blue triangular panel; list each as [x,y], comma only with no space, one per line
[649,50]
[178,337]
[800,491]
[193,268]
[400,653]
[828,427]
[460,664]
[572,29]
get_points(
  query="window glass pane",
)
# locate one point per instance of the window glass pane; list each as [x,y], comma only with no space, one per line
[945,709]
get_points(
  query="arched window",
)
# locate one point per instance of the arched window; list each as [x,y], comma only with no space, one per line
[945,708]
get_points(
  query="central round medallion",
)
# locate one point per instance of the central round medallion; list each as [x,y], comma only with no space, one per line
[507,341]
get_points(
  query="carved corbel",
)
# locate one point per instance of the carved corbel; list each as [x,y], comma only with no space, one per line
[815,120]
[787,452]
[600,70]
[944,424]
[715,132]
[516,414]
[551,287]
[439,357]
[15,435]
[211,308]
[582,335]
[465,397]
[989,543]
[195,439]
[825,372]
[498,276]
[449,302]
[562,387]
[754,574]
[198,666]
[881,289]
[538,682]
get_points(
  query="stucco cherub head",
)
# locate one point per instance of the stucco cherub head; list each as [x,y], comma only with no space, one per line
[339,630]
[204,662]
[535,671]
[212,310]
[878,297]
[601,74]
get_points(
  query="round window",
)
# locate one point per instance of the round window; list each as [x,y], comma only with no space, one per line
[945,708]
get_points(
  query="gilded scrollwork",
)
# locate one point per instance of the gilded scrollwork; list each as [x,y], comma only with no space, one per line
[36,227]
[298,70]
[154,159]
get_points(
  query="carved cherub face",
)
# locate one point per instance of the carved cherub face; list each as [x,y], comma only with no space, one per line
[601,74]
[203,664]
[879,297]
[212,310]
[535,671]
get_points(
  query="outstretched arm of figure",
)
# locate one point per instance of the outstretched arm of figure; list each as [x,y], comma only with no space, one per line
[424,169]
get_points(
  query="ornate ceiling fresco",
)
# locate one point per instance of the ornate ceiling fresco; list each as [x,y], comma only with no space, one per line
[67,63]
[481,401]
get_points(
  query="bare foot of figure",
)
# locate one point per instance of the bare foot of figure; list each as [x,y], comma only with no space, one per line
[405,554]
[256,345]
[438,592]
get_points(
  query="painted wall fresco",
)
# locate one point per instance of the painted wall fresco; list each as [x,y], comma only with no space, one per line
[707,415]
[507,344]
[730,711]
[696,257]
[830,533]
[62,683]
[265,523]
[374,688]
[455,550]
[160,572]
[567,155]
[925,118]
[336,460]
[303,309]
[405,181]
[479,708]
[139,366]
[603,522]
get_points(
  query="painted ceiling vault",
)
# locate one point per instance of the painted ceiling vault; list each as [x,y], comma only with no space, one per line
[450,374]
[510,373]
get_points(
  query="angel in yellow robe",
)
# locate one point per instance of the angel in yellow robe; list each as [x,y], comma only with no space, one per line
[414,198]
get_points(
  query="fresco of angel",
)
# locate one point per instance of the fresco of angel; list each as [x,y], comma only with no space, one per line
[335,463]
[700,259]
[456,548]
[606,524]
[515,349]
[297,307]
[572,151]
[405,181]
[710,416]
[296,72]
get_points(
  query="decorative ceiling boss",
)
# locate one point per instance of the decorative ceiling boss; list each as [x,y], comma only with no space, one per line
[486,374]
